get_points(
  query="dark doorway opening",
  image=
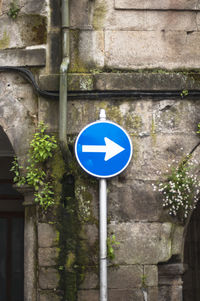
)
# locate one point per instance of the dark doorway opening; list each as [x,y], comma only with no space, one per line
[11,256]
[191,278]
[11,228]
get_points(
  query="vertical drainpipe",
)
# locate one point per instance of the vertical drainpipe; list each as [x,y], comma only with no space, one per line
[63,77]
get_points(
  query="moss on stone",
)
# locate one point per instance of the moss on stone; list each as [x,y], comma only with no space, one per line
[86,83]
[112,111]
[84,197]
[5,41]
[71,257]
[36,29]
[99,15]
[76,64]
[134,123]
[153,131]
[73,211]
[57,171]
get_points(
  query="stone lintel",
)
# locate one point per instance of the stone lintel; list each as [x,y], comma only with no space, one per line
[23,57]
[144,81]
[157,4]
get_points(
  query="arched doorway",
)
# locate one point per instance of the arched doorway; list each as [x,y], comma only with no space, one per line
[191,278]
[11,229]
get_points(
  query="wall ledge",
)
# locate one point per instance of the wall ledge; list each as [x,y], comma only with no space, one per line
[23,57]
[124,81]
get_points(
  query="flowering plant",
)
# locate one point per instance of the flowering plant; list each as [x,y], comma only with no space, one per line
[180,191]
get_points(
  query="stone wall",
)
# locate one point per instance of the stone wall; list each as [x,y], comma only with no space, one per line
[136,34]
[115,46]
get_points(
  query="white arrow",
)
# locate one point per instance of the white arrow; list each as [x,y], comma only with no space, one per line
[111,149]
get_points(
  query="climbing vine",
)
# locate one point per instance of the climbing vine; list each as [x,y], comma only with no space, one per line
[36,175]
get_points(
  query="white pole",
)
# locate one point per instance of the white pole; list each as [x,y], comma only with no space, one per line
[103,238]
[103,230]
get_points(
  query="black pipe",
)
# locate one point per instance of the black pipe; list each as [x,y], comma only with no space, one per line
[92,95]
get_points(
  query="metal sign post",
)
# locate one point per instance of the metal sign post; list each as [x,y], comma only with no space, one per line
[103,231]
[103,149]
[103,238]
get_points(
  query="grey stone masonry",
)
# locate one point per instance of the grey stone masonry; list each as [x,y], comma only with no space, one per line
[47,235]
[23,57]
[144,243]
[48,278]
[157,4]
[47,256]
[170,282]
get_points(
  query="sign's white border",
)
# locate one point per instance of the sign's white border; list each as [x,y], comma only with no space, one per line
[130,156]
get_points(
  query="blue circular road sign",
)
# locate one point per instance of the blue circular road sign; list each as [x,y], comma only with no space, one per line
[103,149]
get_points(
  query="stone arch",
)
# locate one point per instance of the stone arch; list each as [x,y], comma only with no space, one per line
[179,277]
[18,112]
[11,227]
[18,118]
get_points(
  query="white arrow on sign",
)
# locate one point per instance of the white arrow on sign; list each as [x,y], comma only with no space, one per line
[111,149]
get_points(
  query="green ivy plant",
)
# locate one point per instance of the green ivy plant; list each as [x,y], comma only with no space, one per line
[111,243]
[184,93]
[36,175]
[14,10]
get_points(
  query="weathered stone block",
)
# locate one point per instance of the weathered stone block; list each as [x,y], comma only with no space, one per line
[50,119]
[87,50]
[128,295]
[152,293]
[15,85]
[54,52]
[81,20]
[13,34]
[55,13]
[47,235]
[151,275]
[91,281]
[91,233]
[157,4]
[48,278]
[171,274]
[88,295]
[49,82]
[147,243]
[137,20]
[173,117]
[177,240]
[170,20]
[125,277]
[142,49]
[47,256]
[23,57]
[49,296]
[33,6]
[160,156]
[172,293]
[15,112]
[134,202]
